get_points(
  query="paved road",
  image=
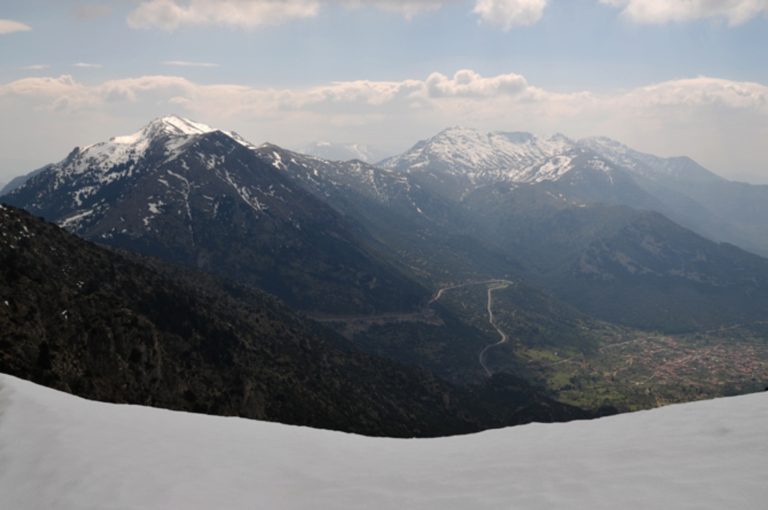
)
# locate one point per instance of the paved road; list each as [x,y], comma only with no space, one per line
[428,315]
[494,285]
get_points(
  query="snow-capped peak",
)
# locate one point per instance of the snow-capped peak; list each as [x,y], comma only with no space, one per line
[162,140]
[171,125]
[167,133]
[485,157]
[458,132]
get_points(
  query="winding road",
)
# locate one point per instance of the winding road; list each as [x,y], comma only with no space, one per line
[503,337]
[429,316]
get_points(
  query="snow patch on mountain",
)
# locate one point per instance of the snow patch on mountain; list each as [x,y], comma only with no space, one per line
[74,220]
[63,452]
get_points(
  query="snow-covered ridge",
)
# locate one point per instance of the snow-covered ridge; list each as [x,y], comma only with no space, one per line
[86,172]
[647,165]
[63,452]
[485,157]
[103,163]
[520,157]
[171,132]
[171,125]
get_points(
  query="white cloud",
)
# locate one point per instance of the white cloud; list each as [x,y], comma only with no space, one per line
[505,14]
[437,91]
[171,14]
[664,11]
[508,14]
[721,122]
[433,92]
[8,26]
[249,14]
[35,67]
[407,8]
[701,92]
[86,65]
[468,83]
[48,93]
[188,63]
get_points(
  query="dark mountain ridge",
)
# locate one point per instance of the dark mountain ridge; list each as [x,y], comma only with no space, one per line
[80,318]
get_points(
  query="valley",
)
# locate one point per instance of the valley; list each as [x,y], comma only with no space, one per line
[622,368]
[383,255]
[525,273]
[654,370]
[630,369]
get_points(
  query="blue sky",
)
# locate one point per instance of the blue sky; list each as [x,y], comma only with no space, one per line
[687,77]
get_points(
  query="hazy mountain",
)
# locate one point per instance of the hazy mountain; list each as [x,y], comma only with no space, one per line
[347,237]
[621,264]
[19,181]
[190,194]
[557,217]
[695,197]
[458,160]
[342,151]
[409,224]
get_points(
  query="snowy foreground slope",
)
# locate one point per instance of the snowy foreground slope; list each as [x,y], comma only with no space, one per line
[60,451]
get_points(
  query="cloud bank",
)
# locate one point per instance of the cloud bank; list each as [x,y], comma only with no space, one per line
[172,14]
[9,26]
[508,14]
[503,14]
[735,12]
[723,123]
[189,63]
[250,14]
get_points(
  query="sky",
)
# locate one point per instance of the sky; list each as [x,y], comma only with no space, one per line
[683,77]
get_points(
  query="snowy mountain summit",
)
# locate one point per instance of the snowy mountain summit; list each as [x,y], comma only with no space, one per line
[209,199]
[164,133]
[480,155]
[82,187]
[170,125]
[459,160]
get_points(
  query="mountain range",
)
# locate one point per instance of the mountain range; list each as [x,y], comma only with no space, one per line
[582,220]
[587,220]
[193,195]
[458,160]
[589,230]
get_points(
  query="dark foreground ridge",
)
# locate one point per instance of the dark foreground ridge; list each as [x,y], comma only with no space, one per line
[103,325]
